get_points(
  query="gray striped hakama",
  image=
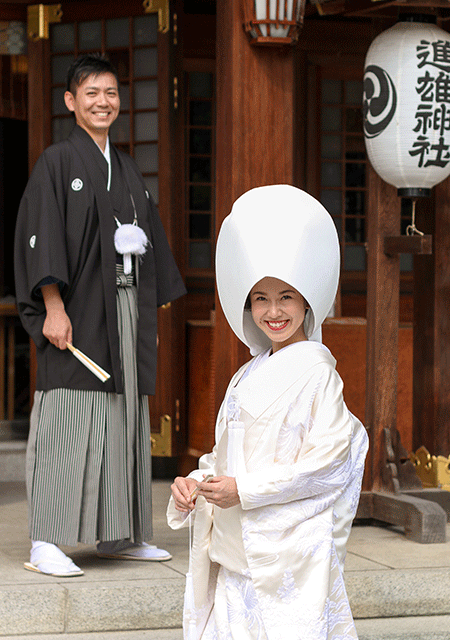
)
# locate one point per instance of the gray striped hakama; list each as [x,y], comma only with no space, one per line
[89,454]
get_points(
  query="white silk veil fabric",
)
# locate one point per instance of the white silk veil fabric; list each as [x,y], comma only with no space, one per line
[281,232]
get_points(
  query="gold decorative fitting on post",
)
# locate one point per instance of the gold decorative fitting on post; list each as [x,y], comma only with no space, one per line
[162,441]
[175,28]
[39,17]
[273,22]
[161,7]
[434,471]
[175,93]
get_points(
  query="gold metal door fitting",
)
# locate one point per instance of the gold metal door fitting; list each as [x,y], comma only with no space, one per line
[161,7]
[162,441]
[39,17]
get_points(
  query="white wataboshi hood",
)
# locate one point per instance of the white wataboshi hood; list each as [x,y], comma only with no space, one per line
[282,232]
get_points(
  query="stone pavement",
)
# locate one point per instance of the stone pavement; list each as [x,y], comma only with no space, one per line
[398,590]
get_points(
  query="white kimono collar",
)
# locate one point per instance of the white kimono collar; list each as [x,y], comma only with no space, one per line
[107,155]
[279,372]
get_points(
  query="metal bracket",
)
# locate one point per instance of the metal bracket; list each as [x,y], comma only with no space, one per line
[39,17]
[162,441]
[161,7]
[434,471]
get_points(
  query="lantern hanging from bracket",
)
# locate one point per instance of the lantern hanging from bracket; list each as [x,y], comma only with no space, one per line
[273,22]
[406,105]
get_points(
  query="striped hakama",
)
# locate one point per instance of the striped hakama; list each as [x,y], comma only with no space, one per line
[89,453]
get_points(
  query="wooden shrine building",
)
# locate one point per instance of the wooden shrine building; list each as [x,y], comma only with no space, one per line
[207,115]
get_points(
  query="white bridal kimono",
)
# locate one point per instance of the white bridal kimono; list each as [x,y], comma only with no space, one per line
[298,470]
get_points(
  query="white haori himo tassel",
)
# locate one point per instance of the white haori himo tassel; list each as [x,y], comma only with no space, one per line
[129,239]
[235,449]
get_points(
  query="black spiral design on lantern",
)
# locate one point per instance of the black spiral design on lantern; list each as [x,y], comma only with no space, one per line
[379,100]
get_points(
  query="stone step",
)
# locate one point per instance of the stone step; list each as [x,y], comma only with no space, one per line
[156,634]
[74,606]
[80,607]
[411,628]
[399,593]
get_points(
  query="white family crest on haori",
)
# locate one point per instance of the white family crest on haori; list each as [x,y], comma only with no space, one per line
[281,232]
[77,184]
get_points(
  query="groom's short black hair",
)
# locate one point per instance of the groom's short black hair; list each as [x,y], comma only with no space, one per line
[86,65]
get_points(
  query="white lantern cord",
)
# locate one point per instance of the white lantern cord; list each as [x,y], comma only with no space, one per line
[411,229]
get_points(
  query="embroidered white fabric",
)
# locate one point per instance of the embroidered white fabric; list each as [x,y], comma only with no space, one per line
[304,458]
[236,614]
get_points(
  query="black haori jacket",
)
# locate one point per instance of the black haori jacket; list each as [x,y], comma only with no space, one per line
[65,230]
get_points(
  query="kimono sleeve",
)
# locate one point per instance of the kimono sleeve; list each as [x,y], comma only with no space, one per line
[40,246]
[169,285]
[326,462]
[177,519]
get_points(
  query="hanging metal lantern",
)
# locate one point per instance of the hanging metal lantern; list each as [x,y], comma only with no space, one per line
[274,22]
[406,105]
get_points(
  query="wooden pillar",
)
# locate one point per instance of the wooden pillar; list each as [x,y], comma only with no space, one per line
[423,332]
[442,320]
[255,140]
[389,476]
[39,130]
[39,111]
[432,331]
[383,279]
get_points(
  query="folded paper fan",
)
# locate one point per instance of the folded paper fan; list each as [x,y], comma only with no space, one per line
[89,364]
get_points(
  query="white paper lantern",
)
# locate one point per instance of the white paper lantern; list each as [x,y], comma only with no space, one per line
[406,106]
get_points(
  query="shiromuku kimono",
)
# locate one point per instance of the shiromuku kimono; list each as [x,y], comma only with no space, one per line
[271,568]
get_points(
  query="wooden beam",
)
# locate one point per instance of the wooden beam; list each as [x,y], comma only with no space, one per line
[394,245]
[16,11]
[370,8]
[424,521]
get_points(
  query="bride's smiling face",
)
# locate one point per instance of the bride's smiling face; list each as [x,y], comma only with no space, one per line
[279,310]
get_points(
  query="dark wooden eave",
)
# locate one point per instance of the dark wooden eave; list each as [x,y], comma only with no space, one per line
[377,8]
